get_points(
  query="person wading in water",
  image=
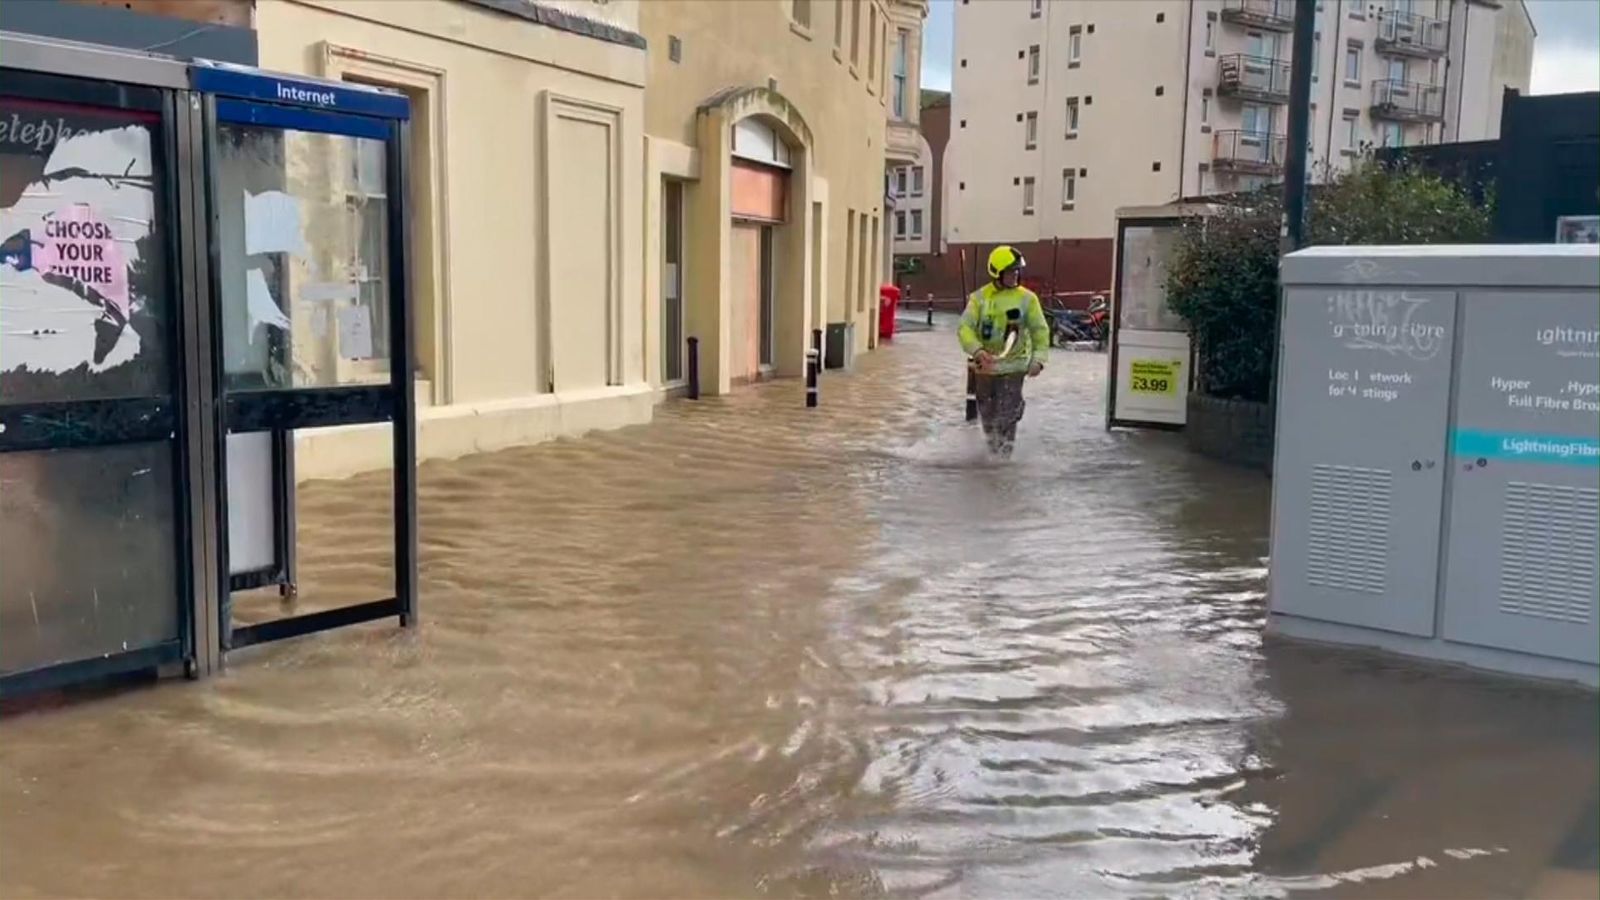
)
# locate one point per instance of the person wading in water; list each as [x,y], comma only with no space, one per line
[1006,338]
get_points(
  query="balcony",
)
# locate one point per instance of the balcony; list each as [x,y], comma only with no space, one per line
[1253,78]
[1248,152]
[1404,34]
[1273,15]
[1407,101]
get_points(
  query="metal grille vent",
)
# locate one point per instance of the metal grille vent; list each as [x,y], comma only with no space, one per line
[1348,544]
[1548,565]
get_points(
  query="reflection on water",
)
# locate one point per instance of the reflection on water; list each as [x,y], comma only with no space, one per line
[758,650]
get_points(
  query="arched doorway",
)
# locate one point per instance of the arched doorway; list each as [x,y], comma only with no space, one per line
[752,236]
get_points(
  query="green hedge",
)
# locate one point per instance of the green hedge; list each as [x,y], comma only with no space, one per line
[1223,275]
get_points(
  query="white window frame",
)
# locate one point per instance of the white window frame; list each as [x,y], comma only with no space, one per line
[1033,64]
[1030,130]
[916,224]
[1211,36]
[1353,51]
[1388,129]
[1253,112]
[1069,188]
[900,224]
[1073,113]
[1035,8]
[1352,131]
[900,181]
[1205,110]
[916,181]
[901,71]
[1027,195]
[1075,46]
[795,15]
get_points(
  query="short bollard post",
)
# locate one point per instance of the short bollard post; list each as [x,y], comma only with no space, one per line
[816,347]
[930,310]
[972,395]
[812,365]
[694,368]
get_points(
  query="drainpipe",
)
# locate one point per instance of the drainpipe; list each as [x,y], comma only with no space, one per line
[1183,137]
[1333,84]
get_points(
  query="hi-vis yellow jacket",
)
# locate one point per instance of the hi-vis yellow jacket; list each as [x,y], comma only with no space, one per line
[987,317]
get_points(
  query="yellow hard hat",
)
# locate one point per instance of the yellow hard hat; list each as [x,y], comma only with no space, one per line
[1002,258]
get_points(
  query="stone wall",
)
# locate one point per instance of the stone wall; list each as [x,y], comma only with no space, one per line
[1233,431]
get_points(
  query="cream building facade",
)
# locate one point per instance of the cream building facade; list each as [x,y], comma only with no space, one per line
[597,182]
[768,126]
[527,193]
[1065,110]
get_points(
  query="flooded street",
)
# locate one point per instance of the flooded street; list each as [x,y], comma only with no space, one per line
[756,650]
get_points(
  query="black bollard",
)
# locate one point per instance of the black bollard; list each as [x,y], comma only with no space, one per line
[816,347]
[812,365]
[930,311]
[972,395]
[694,368]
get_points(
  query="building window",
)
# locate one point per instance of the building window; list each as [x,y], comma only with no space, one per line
[1069,188]
[800,11]
[1027,196]
[1035,8]
[1356,8]
[838,24]
[1392,134]
[872,46]
[1397,70]
[1075,46]
[900,181]
[1352,63]
[1030,131]
[1256,120]
[1352,131]
[916,181]
[916,224]
[900,223]
[901,65]
[1033,64]
[855,31]
[1211,34]
[1072,117]
[1205,111]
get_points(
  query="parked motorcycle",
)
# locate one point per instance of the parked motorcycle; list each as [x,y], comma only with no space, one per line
[1081,326]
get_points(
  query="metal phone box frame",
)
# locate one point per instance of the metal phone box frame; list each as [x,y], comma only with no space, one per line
[185,409]
[1436,486]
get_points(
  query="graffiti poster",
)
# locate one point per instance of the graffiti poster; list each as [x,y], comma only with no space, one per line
[82,293]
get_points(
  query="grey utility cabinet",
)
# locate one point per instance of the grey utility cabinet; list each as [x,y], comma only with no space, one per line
[1436,486]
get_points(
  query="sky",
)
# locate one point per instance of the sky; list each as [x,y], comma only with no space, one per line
[1566,53]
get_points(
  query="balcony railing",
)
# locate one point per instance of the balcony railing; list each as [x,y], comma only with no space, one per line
[1248,152]
[1404,34]
[1407,101]
[1274,15]
[1253,78]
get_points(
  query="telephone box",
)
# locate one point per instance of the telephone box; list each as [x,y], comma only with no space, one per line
[198,261]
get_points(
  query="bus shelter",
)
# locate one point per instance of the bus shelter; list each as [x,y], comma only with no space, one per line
[199,261]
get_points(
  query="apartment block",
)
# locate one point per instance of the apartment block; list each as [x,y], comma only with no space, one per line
[1065,110]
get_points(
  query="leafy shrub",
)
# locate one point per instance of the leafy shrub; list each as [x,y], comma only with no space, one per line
[1223,274]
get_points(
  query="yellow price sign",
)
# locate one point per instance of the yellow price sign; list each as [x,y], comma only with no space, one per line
[1152,376]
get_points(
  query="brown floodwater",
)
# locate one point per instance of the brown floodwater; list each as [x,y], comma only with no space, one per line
[754,650]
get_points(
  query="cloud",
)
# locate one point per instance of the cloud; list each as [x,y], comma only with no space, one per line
[1563,70]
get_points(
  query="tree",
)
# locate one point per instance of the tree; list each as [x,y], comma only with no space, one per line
[1223,275]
